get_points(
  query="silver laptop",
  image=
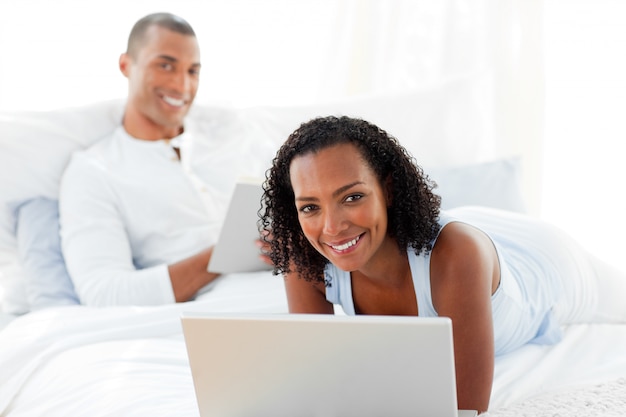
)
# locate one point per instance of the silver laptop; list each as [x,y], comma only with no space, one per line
[321,365]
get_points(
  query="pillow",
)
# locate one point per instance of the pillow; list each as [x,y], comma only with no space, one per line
[39,247]
[443,124]
[494,184]
[35,149]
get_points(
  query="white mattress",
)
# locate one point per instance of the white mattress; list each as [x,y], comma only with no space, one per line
[129,361]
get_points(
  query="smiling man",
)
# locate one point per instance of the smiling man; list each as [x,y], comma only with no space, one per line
[162,64]
[137,219]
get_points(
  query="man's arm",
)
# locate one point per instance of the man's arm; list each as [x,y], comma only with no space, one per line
[98,251]
[190,275]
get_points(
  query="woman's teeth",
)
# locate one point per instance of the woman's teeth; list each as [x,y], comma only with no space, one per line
[346,245]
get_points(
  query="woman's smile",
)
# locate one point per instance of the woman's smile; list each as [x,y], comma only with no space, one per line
[346,247]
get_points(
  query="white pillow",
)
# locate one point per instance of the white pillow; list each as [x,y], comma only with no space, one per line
[36,147]
[494,184]
[442,125]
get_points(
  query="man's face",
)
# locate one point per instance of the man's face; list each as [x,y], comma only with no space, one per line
[163,80]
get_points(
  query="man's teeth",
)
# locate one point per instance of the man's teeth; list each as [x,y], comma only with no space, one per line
[347,244]
[173,101]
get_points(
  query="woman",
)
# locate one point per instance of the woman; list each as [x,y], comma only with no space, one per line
[354,221]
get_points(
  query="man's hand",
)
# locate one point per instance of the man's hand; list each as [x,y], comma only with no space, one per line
[190,275]
[263,243]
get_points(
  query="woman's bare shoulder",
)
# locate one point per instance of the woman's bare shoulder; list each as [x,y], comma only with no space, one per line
[463,261]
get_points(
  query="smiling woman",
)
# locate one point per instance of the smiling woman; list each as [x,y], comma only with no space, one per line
[354,221]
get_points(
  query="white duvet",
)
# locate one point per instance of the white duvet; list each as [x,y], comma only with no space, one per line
[129,361]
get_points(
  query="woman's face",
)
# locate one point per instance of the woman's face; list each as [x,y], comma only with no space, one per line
[342,206]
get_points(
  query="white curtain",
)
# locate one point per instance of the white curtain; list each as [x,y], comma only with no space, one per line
[552,72]
[65,52]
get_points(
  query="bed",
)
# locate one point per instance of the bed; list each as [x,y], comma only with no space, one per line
[72,360]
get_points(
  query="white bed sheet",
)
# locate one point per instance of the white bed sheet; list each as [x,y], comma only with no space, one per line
[588,355]
[129,361]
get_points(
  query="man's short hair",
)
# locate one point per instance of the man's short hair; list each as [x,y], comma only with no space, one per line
[164,20]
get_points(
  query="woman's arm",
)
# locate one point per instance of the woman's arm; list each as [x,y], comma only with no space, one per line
[464,274]
[306,296]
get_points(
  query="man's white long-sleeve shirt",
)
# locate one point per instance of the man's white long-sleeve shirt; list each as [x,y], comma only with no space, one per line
[129,208]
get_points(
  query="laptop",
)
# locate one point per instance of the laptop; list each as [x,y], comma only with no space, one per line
[300,365]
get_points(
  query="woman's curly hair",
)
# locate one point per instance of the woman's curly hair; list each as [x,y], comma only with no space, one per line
[413,214]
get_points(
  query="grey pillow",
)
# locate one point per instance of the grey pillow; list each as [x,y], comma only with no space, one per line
[494,184]
[39,247]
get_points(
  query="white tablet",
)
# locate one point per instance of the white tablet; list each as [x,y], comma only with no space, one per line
[236,250]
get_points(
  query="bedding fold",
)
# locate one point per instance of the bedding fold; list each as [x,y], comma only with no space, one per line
[32,340]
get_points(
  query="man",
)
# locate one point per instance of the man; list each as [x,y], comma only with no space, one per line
[138,218]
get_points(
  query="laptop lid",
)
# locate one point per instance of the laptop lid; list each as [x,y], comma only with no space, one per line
[321,365]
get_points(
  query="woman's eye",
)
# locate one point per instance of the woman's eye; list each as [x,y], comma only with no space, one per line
[307,209]
[353,197]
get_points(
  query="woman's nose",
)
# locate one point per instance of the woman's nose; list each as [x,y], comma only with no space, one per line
[334,222]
